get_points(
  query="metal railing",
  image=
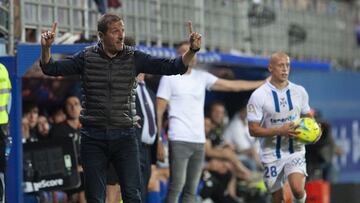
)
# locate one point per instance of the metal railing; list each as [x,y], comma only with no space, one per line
[226,25]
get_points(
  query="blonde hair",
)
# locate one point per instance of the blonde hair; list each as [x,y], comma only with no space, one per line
[275,56]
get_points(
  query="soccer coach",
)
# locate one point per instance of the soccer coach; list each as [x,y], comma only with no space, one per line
[108,71]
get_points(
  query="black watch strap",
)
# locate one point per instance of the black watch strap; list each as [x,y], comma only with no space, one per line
[194,50]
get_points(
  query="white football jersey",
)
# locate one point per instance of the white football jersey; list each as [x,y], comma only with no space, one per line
[273,108]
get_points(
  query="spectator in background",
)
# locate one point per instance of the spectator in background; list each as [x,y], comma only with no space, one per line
[219,174]
[216,148]
[185,96]
[25,129]
[160,172]
[31,113]
[103,5]
[43,128]
[319,156]
[57,115]
[218,117]
[71,128]
[238,135]
[150,143]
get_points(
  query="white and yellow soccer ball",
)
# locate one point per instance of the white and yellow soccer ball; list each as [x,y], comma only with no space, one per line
[308,130]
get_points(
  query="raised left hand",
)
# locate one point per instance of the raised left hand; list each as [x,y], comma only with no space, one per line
[194,38]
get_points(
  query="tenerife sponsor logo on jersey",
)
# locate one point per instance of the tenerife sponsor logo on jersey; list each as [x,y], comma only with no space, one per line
[283,120]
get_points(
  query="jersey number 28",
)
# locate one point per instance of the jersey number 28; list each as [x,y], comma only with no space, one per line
[270,171]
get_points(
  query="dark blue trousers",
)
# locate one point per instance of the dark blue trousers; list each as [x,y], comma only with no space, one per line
[121,148]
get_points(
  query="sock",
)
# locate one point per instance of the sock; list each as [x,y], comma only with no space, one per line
[302,200]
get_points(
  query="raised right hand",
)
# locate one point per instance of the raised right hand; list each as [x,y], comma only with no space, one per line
[48,37]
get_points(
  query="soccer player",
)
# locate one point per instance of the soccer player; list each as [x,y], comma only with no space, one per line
[272,108]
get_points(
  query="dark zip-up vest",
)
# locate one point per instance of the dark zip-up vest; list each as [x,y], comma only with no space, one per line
[108,89]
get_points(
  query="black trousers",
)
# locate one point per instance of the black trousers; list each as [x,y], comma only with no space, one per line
[122,152]
[145,166]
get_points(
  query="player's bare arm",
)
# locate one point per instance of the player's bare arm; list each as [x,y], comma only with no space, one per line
[161,105]
[286,130]
[236,85]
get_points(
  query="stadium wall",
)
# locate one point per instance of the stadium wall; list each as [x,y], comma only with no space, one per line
[335,94]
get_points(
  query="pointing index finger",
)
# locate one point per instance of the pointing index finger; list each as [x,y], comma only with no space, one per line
[53,28]
[190,27]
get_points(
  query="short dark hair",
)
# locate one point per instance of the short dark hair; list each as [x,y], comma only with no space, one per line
[216,103]
[29,106]
[105,20]
[65,102]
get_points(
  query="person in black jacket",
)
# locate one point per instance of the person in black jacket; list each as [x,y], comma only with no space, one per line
[151,149]
[71,128]
[108,74]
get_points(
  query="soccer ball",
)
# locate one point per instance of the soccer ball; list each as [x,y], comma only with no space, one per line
[308,130]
